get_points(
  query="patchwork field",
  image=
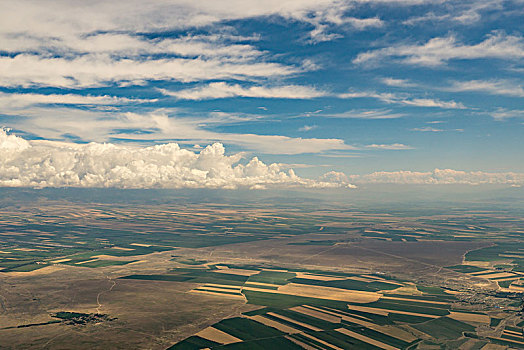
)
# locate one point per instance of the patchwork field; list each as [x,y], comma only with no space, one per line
[184,275]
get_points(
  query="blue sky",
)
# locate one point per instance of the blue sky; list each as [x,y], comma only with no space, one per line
[350,86]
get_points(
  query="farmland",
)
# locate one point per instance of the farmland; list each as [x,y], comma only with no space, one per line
[182,274]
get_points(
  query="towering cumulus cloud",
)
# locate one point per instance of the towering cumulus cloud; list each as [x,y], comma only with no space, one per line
[58,164]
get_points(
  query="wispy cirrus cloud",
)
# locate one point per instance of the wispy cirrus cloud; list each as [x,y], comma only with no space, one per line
[504,113]
[224,90]
[21,100]
[463,12]
[438,51]
[60,123]
[391,147]
[404,99]
[492,87]
[365,114]
[99,70]
[306,128]
[398,82]
[427,129]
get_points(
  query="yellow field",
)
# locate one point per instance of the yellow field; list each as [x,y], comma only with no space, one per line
[43,271]
[218,336]
[239,272]
[465,317]
[495,275]
[60,260]
[318,277]
[329,293]
[271,323]
[137,262]
[84,262]
[518,256]
[141,245]
[224,286]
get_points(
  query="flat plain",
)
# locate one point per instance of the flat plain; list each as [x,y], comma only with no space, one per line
[186,275]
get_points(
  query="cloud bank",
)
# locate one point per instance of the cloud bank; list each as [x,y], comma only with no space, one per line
[57,164]
[440,177]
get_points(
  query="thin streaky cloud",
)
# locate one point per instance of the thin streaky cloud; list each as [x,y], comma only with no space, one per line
[398,82]
[427,129]
[393,147]
[365,114]
[218,90]
[438,51]
[493,87]
[404,99]
[440,177]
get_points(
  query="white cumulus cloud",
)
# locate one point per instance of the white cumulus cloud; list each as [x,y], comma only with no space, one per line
[57,164]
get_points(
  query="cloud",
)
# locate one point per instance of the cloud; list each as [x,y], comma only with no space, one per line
[393,147]
[68,17]
[223,90]
[398,82]
[365,114]
[403,99]
[321,32]
[438,51]
[158,125]
[440,177]
[463,12]
[493,87]
[427,129]
[426,102]
[21,100]
[99,70]
[503,113]
[78,44]
[226,46]
[57,164]
[308,127]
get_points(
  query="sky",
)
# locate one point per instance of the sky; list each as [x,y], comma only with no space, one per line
[245,93]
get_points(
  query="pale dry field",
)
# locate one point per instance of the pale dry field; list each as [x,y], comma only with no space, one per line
[467,317]
[218,336]
[329,293]
[277,325]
